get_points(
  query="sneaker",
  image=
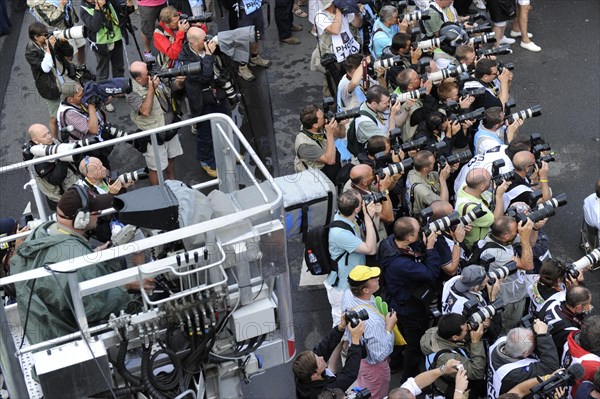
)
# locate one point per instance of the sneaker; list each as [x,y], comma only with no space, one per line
[149,57]
[296,28]
[259,61]
[109,108]
[519,34]
[480,4]
[290,40]
[531,46]
[245,73]
[507,40]
[210,171]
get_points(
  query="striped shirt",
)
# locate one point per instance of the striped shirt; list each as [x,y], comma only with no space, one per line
[376,339]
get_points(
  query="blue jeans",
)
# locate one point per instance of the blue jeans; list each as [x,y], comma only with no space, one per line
[204,143]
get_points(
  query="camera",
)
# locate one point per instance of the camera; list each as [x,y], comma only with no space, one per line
[562,378]
[545,210]
[414,145]
[476,314]
[586,262]
[195,68]
[76,32]
[483,28]
[447,73]
[134,176]
[442,224]
[477,114]
[485,38]
[98,92]
[359,393]
[473,91]
[416,16]
[395,168]
[501,272]
[376,198]
[42,150]
[387,62]
[396,139]
[473,215]
[535,139]
[505,65]
[79,73]
[431,43]
[206,17]
[410,95]
[113,132]
[459,157]
[224,81]
[500,50]
[498,177]
[354,316]
[530,112]
[340,116]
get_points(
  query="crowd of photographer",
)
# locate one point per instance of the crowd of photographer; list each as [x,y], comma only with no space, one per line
[431,164]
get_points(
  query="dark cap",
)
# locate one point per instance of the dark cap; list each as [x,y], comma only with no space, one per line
[471,276]
[8,226]
[360,274]
[70,202]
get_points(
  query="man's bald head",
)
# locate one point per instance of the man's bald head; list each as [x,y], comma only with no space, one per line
[138,68]
[360,173]
[195,37]
[477,177]
[39,134]
[440,209]
[522,160]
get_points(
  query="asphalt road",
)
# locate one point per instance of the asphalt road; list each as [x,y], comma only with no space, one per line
[563,78]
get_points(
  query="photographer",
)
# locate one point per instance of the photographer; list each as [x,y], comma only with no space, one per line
[450,340]
[493,131]
[437,128]
[148,113]
[377,115]
[55,177]
[203,93]
[412,265]
[401,46]
[496,83]
[448,93]
[471,284]
[474,193]
[500,244]
[105,24]
[352,87]
[413,386]
[414,111]
[424,184]
[551,284]
[38,54]
[384,29]
[250,13]
[520,188]
[315,143]
[87,121]
[59,15]
[378,338]
[511,361]
[169,37]
[310,367]
[363,180]
[440,11]
[584,348]
[563,317]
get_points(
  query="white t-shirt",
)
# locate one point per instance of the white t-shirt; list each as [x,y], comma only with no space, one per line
[343,44]
[591,210]
[484,161]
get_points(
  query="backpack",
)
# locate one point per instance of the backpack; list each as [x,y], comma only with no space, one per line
[476,252]
[317,241]
[430,362]
[354,146]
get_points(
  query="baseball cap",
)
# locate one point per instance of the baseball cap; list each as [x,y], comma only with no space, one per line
[70,203]
[8,226]
[360,274]
[471,276]
[69,89]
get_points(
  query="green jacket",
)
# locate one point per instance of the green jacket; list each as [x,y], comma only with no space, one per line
[49,313]
[475,364]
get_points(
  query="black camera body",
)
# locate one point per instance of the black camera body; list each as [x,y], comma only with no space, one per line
[353,317]
[206,17]
[79,73]
[477,114]
[375,197]
[342,115]
[459,157]
[414,145]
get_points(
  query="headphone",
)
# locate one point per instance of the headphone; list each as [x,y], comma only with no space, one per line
[82,217]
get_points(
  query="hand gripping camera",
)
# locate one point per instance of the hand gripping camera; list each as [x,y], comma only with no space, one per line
[354,316]
[584,263]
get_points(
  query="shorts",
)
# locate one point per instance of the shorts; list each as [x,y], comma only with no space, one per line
[335,300]
[149,16]
[501,10]
[168,150]
[53,107]
[256,19]
[76,43]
